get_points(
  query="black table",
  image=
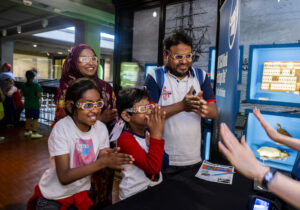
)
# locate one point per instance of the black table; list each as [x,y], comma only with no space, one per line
[186,192]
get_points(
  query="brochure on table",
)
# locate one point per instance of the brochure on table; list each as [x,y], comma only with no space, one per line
[215,173]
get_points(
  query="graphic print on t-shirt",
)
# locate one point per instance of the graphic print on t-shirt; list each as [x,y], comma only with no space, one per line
[84,152]
[165,94]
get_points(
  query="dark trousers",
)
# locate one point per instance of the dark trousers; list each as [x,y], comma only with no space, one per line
[45,204]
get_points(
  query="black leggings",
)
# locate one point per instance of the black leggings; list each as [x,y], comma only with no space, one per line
[45,204]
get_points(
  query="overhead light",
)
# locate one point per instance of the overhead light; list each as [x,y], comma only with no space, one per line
[27,3]
[154,14]
[48,54]
[34,45]
[19,29]
[44,23]
[60,53]
[4,32]
[56,10]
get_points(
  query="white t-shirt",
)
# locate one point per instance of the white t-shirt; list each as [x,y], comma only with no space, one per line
[83,148]
[134,179]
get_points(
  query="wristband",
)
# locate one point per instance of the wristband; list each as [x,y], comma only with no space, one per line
[269,176]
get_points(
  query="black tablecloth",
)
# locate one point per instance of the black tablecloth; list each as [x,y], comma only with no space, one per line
[186,192]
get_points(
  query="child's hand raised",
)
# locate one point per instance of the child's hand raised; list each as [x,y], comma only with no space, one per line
[156,122]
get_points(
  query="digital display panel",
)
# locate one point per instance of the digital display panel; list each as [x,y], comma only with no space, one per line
[129,74]
[281,76]
[264,148]
[260,204]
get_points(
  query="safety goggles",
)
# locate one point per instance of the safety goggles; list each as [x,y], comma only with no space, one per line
[180,57]
[90,105]
[88,59]
[140,109]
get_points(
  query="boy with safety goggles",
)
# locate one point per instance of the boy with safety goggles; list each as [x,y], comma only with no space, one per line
[147,149]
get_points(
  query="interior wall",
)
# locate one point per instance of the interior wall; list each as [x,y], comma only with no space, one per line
[22,63]
[145,39]
[267,22]
[199,20]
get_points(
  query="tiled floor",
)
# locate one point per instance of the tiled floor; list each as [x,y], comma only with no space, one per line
[22,162]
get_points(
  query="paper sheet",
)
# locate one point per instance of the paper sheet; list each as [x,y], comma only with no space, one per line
[215,173]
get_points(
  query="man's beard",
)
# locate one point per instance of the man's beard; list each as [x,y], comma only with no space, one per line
[178,74]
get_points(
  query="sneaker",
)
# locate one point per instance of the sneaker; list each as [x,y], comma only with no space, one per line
[36,136]
[27,133]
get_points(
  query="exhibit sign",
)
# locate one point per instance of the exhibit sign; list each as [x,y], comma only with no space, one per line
[228,63]
[212,59]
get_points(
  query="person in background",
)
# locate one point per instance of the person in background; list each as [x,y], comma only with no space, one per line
[242,158]
[6,73]
[32,94]
[83,62]
[12,91]
[8,104]
[185,94]
[78,146]
[138,114]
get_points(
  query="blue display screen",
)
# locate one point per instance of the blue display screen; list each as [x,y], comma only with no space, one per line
[148,68]
[282,157]
[260,204]
[268,66]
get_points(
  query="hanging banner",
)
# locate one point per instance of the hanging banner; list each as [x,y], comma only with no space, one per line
[228,64]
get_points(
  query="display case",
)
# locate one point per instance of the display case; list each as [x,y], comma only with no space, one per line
[265,149]
[274,74]
[212,60]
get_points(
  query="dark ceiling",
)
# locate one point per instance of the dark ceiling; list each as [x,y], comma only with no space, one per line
[31,14]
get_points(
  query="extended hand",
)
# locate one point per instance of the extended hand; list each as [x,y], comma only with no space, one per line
[271,132]
[240,156]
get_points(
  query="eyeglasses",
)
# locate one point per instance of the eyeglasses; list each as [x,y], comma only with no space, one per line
[180,57]
[88,59]
[140,109]
[90,105]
